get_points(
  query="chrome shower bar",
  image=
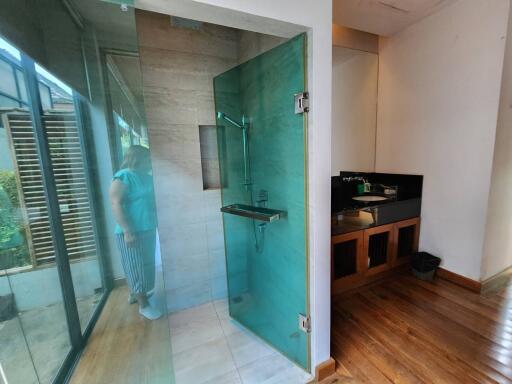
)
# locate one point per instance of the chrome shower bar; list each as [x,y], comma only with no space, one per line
[245,142]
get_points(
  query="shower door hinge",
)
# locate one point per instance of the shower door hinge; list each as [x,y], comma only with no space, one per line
[301,102]
[304,323]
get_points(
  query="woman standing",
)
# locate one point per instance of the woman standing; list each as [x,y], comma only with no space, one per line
[133,205]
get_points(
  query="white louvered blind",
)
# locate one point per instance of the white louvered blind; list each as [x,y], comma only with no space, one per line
[70,178]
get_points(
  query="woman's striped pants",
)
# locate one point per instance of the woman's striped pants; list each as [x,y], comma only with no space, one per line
[139,261]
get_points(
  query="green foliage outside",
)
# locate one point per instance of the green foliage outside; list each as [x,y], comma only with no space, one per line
[13,245]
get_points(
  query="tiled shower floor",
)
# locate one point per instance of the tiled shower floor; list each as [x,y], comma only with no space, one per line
[210,348]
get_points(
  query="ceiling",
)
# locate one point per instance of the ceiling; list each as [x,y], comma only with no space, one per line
[383,17]
[114,28]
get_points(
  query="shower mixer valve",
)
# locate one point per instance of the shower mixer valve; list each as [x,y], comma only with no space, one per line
[262,199]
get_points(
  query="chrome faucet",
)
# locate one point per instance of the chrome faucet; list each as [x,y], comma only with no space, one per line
[354,178]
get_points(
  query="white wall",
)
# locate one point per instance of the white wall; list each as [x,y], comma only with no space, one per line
[273,17]
[439,85]
[354,110]
[497,254]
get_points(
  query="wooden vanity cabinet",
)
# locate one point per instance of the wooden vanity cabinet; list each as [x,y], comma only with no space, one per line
[359,257]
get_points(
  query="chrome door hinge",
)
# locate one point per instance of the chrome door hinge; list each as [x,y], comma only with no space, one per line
[301,102]
[304,323]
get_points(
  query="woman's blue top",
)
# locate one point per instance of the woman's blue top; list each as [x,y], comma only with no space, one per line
[139,200]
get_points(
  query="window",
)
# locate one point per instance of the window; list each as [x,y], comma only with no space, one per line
[14,239]
[59,121]
[12,85]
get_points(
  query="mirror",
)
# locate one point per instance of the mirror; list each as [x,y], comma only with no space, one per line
[354,110]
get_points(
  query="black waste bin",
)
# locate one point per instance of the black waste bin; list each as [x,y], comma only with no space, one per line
[424,265]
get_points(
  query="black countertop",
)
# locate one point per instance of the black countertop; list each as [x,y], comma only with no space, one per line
[348,215]
[356,219]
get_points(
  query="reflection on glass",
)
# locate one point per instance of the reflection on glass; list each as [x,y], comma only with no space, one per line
[133,205]
[125,100]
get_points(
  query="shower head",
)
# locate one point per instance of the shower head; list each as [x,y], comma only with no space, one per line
[222,115]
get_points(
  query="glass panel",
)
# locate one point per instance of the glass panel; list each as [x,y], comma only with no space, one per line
[127,107]
[146,356]
[72,179]
[34,320]
[16,364]
[22,86]
[8,102]
[55,95]
[46,97]
[8,83]
[262,159]
[123,134]
[70,41]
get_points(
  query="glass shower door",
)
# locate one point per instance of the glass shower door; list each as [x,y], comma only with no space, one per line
[262,155]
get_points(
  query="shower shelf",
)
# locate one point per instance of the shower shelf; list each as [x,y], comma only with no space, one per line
[257,213]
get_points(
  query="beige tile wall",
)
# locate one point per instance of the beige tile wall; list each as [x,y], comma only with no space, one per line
[251,44]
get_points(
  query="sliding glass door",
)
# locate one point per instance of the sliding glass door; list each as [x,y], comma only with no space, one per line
[61,114]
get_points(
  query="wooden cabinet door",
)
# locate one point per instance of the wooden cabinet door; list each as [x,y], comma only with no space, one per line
[378,248]
[405,240]
[347,261]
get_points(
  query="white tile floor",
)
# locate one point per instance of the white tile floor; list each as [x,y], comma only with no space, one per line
[210,348]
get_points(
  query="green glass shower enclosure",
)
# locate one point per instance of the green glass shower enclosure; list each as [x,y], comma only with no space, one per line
[262,153]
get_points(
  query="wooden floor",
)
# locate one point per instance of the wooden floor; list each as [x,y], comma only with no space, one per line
[334,379]
[125,348]
[404,330]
